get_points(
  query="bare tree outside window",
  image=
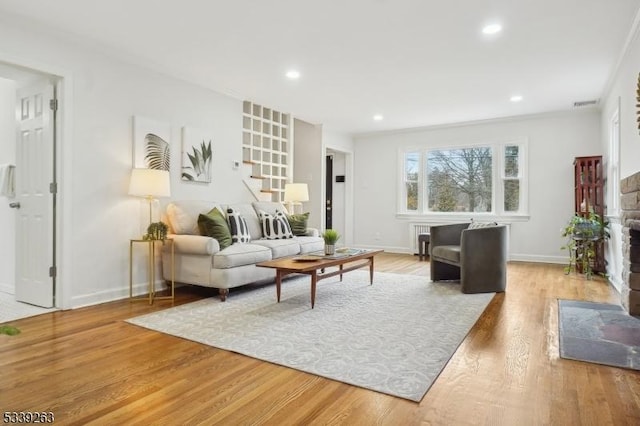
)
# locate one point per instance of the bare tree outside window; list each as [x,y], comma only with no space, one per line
[411,176]
[460,180]
[511,178]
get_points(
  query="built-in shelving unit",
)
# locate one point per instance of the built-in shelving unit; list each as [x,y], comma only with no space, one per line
[589,182]
[266,146]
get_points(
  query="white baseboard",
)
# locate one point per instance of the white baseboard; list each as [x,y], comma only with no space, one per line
[142,288]
[539,259]
[112,295]
[514,257]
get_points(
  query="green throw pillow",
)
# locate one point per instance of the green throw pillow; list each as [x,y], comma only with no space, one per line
[215,225]
[298,223]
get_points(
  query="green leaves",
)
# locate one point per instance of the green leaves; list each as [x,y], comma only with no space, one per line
[9,330]
[200,159]
[157,152]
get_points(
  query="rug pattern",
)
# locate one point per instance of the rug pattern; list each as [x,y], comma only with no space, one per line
[394,336]
[600,333]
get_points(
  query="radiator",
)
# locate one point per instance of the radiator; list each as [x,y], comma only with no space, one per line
[414,230]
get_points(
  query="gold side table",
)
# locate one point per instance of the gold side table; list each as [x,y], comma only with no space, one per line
[151,270]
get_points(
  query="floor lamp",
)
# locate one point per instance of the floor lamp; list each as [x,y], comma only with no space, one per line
[295,193]
[149,184]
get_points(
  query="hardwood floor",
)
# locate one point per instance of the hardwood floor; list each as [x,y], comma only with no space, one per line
[88,366]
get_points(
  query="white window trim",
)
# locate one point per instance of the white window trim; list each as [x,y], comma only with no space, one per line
[498,213]
[613,166]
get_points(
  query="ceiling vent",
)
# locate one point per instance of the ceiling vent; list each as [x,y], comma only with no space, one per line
[580,104]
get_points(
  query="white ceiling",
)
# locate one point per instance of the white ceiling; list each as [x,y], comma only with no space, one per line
[417,62]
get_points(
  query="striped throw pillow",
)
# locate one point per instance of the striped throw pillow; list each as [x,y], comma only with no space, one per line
[476,225]
[238,227]
[275,227]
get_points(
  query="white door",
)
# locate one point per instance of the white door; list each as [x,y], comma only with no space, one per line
[34,174]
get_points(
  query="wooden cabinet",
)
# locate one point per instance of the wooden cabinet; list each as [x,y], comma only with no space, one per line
[266,146]
[589,197]
[589,185]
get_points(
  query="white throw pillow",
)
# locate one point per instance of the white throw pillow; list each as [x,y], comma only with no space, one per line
[476,225]
[275,227]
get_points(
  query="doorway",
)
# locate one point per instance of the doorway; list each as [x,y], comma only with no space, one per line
[14,81]
[337,189]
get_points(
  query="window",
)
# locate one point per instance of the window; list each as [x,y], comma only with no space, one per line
[476,179]
[411,173]
[459,180]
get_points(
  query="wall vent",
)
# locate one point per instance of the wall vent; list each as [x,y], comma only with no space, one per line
[579,104]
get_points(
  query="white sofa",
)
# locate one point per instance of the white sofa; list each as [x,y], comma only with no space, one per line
[199,260]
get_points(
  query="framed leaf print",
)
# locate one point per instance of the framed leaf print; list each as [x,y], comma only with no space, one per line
[151,144]
[197,155]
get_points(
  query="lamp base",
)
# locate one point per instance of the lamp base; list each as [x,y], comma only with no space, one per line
[149,212]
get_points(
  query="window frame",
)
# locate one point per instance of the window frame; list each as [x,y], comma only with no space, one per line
[498,179]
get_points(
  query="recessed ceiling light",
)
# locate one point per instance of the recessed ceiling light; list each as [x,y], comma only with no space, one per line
[492,29]
[516,98]
[293,74]
[378,117]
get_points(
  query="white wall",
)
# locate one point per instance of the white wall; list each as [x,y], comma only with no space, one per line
[622,92]
[338,197]
[554,140]
[7,156]
[309,162]
[97,159]
[343,145]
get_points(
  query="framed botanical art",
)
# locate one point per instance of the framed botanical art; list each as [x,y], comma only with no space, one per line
[197,155]
[151,144]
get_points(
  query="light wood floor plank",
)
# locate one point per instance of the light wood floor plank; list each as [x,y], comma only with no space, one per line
[90,367]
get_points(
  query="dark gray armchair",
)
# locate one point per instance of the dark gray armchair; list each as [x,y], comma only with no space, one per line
[477,257]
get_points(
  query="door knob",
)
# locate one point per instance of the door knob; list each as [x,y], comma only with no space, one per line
[14,205]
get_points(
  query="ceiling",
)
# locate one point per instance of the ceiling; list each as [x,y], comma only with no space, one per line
[416,62]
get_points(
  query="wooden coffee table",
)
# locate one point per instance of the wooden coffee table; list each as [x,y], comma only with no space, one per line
[315,265]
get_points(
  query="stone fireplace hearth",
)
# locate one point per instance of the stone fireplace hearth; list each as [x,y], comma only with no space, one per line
[630,205]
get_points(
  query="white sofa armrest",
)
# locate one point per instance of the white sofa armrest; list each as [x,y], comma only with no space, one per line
[195,244]
[312,232]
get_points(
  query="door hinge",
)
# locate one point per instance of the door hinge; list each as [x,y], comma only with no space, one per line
[53,188]
[53,104]
[53,271]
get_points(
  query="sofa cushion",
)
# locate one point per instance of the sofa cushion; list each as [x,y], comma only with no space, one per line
[238,225]
[214,225]
[270,207]
[275,227]
[298,223]
[240,255]
[183,215]
[309,244]
[250,216]
[280,248]
[450,253]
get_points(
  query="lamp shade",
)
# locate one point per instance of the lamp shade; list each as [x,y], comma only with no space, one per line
[296,192]
[150,183]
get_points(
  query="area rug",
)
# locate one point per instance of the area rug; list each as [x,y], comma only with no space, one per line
[394,336]
[600,333]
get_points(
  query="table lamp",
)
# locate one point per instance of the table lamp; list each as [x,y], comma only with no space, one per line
[295,193]
[149,184]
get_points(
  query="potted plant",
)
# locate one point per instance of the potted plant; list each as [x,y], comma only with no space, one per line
[583,233]
[330,237]
[157,231]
